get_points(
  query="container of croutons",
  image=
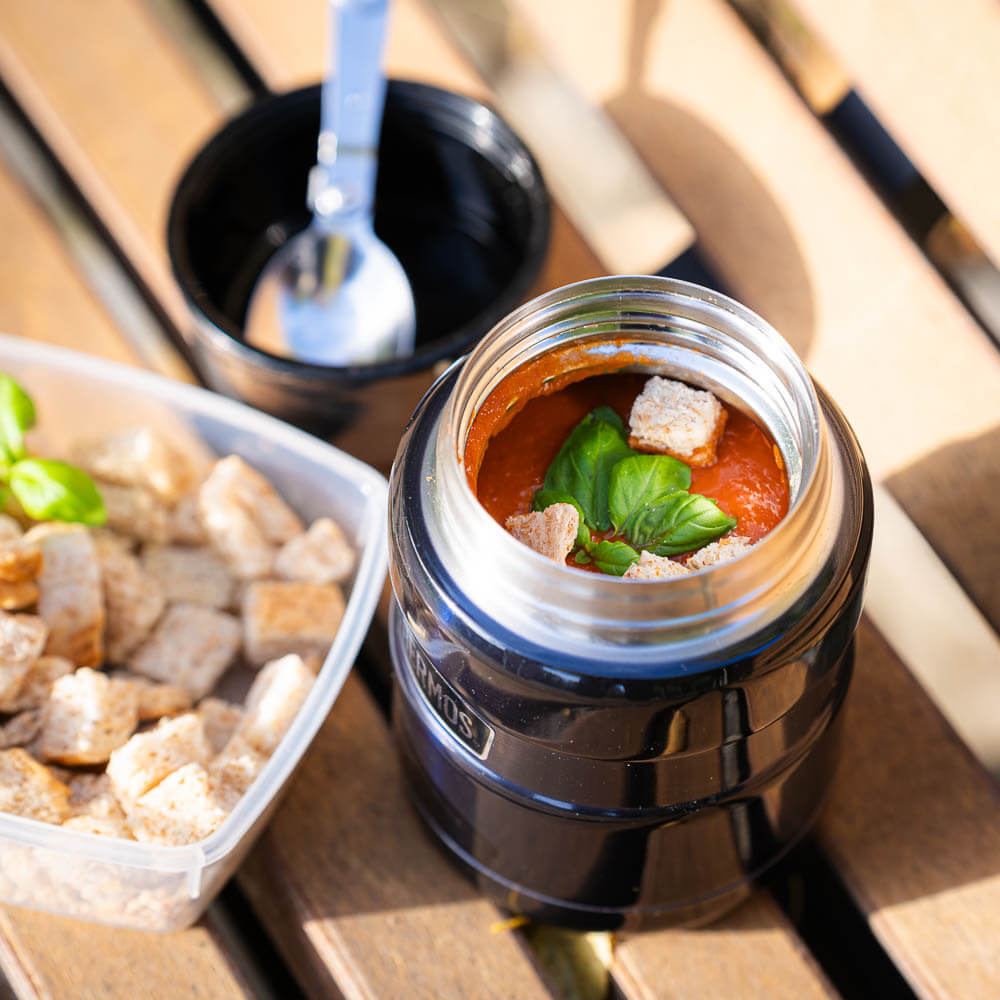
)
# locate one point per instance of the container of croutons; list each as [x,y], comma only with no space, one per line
[163,673]
[626,706]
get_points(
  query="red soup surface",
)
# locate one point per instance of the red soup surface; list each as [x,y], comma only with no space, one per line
[747,479]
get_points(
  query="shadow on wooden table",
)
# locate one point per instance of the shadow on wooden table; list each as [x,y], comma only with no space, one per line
[741,227]
[959,485]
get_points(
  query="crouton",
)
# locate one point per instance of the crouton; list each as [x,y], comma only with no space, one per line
[27,788]
[19,730]
[233,771]
[87,716]
[193,576]
[220,719]
[654,567]
[22,639]
[156,700]
[552,531]
[147,758]
[36,684]
[320,555]
[185,522]
[721,551]
[190,646]
[179,810]
[103,826]
[675,419]
[284,617]
[70,594]
[10,529]
[91,794]
[244,518]
[136,457]
[133,599]
[276,694]
[17,596]
[135,512]
[19,561]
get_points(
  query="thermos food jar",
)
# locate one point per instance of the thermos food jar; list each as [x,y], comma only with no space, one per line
[601,752]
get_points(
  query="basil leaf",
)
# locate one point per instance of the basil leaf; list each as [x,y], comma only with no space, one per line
[581,558]
[17,414]
[582,468]
[613,557]
[641,480]
[546,498]
[51,490]
[678,523]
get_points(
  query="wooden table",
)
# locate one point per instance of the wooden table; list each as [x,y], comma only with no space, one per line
[899,889]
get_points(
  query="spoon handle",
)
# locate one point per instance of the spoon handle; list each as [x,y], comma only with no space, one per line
[342,184]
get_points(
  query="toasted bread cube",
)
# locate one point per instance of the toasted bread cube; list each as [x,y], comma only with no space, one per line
[675,419]
[27,788]
[17,596]
[221,719]
[552,531]
[281,618]
[179,810]
[185,522]
[190,646]
[244,517]
[726,548]
[135,512]
[159,700]
[36,684]
[19,730]
[134,600]
[70,592]
[91,793]
[192,576]
[653,567]
[19,561]
[276,694]
[22,639]
[103,826]
[320,555]
[233,771]
[10,529]
[147,758]
[87,716]
[136,457]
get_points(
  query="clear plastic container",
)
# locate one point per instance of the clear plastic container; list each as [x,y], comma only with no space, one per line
[145,886]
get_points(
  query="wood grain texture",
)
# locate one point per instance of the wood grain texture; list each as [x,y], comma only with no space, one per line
[357,896]
[931,74]
[121,108]
[41,296]
[52,958]
[752,953]
[912,827]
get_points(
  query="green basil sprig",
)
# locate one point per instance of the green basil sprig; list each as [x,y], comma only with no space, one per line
[581,471]
[679,522]
[46,489]
[644,498]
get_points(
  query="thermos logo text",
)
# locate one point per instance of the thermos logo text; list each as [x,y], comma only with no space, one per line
[451,709]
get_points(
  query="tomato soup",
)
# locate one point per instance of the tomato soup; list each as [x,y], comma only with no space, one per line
[747,480]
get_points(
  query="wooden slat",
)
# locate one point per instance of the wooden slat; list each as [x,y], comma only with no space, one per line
[912,827]
[43,298]
[51,958]
[355,892]
[752,953]
[930,72]
[122,110]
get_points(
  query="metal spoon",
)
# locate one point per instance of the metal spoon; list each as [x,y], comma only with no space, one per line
[335,294]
